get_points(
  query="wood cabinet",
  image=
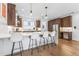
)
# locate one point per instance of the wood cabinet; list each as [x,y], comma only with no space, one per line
[62,22]
[11,14]
[68,34]
[52,22]
[66,21]
[37,23]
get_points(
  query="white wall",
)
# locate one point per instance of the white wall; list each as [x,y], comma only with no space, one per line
[75,22]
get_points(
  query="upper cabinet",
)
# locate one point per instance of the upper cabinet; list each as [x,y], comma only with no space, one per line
[57,21]
[11,14]
[66,22]
[62,22]
[37,23]
[52,22]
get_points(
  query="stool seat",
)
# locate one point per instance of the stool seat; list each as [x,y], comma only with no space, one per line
[45,34]
[53,33]
[35,36]
[52,36]
[33,41]
[46,39]
[16,37]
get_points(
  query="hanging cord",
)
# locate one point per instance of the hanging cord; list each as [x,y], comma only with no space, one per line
[30,7]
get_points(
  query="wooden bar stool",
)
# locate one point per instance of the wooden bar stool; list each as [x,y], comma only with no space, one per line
[16,38]
[33,41]
[41,37]
[46,39]
[52,36]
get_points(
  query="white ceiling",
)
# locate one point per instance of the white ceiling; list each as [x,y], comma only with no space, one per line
[55,10]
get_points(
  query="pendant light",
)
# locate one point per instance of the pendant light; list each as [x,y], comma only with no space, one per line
[46,12]
[31,9]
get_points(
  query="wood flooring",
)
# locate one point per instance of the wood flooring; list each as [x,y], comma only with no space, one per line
[64,48]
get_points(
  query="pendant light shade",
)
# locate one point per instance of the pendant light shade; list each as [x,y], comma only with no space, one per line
[31,13]
[46,12]
[30,9]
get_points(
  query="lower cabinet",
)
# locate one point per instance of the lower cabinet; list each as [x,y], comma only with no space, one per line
[66,35]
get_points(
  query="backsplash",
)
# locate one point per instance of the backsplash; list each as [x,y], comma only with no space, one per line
[66,29]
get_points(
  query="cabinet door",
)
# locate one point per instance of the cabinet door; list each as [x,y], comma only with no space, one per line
[11,14]
[37,23]
[66,22]
[58,21]
[50,24]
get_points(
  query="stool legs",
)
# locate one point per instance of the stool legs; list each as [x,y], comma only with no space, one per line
[47,42]
[52,40]
[37,46]
[44,43]
[20,47]
[12,48]
[31,44]
[32,48]
[40,42]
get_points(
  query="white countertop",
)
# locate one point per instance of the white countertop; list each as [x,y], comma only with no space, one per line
[2,36]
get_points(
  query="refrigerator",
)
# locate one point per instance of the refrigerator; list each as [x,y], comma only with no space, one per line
[56,29]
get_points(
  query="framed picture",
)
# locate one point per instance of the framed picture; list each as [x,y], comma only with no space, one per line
[3,9]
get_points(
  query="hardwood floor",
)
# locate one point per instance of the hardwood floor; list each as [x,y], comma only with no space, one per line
[65,48]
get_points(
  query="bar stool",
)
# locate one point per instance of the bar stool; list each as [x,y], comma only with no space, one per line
[52,36]
[44,36]
[41,37]
[16,38]
[33,41]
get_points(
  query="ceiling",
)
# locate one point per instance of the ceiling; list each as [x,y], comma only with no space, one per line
[55,10]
